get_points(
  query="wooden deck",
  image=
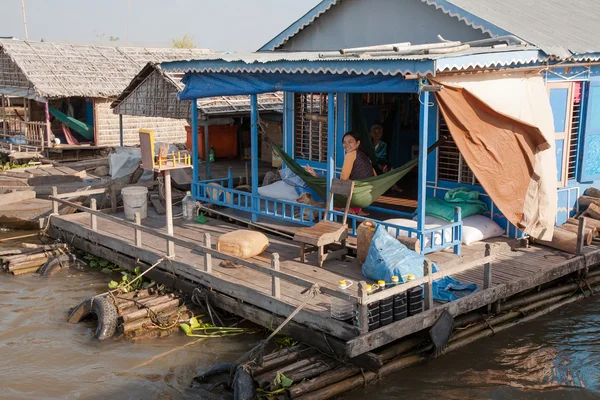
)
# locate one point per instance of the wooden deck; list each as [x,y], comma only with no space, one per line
[513,272]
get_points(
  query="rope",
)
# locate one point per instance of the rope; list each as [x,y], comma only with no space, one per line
[256,353]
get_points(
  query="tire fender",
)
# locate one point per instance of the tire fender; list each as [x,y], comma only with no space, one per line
[105,312]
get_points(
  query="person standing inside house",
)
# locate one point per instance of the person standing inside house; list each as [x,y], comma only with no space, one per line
[381,152]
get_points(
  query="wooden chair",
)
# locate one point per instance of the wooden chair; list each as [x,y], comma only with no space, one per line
[325,232]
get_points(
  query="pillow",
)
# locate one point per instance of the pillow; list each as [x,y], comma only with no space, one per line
[478,227]
[443,209]
[279,190]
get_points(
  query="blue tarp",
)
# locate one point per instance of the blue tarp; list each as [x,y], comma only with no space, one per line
[200,85]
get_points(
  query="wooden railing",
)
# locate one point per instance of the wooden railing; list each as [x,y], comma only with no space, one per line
[32,133]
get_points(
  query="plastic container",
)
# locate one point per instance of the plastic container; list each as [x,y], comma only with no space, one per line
[188,205]
[211,154]
[373,311]
[414,298]
[386,312]
[135,199]
[341,309]
[400,302]
[364,235]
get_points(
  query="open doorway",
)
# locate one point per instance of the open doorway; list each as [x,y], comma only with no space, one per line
[397,114]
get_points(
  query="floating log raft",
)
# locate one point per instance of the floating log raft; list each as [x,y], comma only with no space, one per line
[29,260]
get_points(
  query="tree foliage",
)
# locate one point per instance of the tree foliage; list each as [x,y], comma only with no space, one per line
[184,42]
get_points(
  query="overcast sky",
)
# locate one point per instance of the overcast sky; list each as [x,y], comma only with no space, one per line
[236,25]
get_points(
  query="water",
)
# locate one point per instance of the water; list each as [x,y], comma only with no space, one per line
[42,356]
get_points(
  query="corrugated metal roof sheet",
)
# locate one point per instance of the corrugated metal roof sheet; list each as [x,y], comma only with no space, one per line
[64,70]
[558,27]
[384,64]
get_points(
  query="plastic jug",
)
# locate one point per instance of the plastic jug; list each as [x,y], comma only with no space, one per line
[341,309]
[364,235]
[189,207]
[211,154]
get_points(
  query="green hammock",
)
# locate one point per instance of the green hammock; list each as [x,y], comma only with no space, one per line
[366,191]
[82,128]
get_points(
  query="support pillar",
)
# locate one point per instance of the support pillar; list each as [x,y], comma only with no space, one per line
[206,150]
[121,130]
[330,174]
[422,191]
[169,211]
[254,155]
[4,119]
[194,118]
[48,127]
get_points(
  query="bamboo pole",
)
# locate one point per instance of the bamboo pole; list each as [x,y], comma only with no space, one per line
[27,264]
[284,359]
[25,271]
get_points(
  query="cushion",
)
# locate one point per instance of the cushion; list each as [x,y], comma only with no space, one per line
[279,190]
[478,227]
[443,209]
[242,243]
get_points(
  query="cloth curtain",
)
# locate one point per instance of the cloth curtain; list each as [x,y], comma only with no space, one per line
[503,127]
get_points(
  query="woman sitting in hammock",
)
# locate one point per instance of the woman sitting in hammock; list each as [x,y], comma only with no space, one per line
[357,165]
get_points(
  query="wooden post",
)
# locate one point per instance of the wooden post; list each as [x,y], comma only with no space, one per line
[4,119]
[113,198]
[457,218]
[422,179]
[195,155]
[581,235]
[206,151]
[363,308]
[137,232]
[275,284]
[93,218]
[487,268]
[207,256]
[48,127]
[169,211]
[428,291]
[254,155]
[121,130]
[330,172]
[54,202]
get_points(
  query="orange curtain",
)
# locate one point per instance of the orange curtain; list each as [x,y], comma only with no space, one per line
[499,149]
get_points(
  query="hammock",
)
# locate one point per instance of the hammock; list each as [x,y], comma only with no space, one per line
[366,191]
[82,128]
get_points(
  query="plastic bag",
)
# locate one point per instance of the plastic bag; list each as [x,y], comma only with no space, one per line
[388,257]
[449,289]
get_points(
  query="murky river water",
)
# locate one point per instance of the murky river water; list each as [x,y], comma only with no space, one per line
[42,356]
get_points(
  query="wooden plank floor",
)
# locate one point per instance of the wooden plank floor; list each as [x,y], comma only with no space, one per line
[509,265]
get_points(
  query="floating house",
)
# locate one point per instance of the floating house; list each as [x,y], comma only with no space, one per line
[153,93]
[64,90]
[345,71]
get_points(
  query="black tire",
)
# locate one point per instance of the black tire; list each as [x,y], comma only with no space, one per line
[59,263]
[105,312]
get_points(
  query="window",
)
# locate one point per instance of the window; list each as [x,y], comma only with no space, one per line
[311,126]
[451,165]
[565,101]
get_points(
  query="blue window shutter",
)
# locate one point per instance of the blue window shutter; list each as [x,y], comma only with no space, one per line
[590,163]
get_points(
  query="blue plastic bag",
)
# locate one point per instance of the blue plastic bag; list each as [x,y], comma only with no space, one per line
[388,257]
[449,289]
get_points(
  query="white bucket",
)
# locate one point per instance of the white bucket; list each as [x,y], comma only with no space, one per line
[135,199]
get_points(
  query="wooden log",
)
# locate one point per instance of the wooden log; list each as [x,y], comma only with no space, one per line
[593,211]
[561,240]
[144,312]
[592,192]
[590,233]
[11,252]
[590,223]
[264,380]
[134,301]
[322,381]
[401,347]
[413,244]
[146,323]
[585,201]
[25,271]
[125,297]
[287,358]
[26,257]
[148,303]
[320,367]
[27,264]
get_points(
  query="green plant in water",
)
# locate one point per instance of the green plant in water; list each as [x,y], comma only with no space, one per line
[12,165]
[284,341]
[126,276]
[281,381]
[207,330]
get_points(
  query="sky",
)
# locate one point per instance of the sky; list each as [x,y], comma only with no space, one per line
[234,25]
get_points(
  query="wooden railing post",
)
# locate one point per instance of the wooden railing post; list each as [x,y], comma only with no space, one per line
[93,218]
[363,308]
[487,268]
[54,202]
[428,286]
[137,232]
[207,256]
[580,236]
[275,283]
[457,218]
[113,198]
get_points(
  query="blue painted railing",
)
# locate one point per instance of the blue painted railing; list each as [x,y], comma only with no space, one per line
[220,192]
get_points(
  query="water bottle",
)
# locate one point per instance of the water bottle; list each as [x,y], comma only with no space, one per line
[341,309]
[189,207]
[386,312]
[400,305]
[415,298]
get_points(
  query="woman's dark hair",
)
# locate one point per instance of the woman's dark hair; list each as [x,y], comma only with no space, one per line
[353,134]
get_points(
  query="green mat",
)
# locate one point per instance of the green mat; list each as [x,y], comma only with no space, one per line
[85,130]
